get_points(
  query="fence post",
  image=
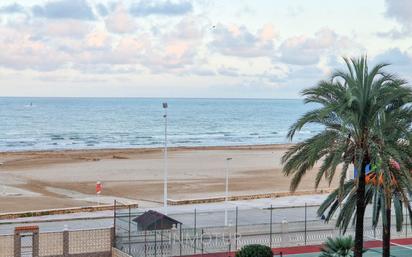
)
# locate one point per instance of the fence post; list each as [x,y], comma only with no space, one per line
[155,234]
[35,245]
[130,223]
[406,220]
[114,219]
[180,239]
[271,222]
[161,241]
[285,232]
[66,242]
[306,216]
[194,239]
[145,243]
[202,241]
[230,244]
[112,237]
[17,245]
[237,214]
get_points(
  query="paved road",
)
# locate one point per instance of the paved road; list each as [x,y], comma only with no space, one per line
[207,215]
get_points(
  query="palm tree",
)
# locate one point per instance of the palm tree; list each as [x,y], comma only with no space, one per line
[376,195]
[386,184]
[393,180]
[351,106]
[337,247]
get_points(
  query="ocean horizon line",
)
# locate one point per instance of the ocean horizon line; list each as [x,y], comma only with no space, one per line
[143,148]
[150,97]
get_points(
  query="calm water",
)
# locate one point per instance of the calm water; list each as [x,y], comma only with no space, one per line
[80,123]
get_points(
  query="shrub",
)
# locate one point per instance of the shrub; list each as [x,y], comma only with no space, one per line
[255,251]
[338,247]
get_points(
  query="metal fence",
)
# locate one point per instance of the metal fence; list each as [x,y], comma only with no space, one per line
[204,231]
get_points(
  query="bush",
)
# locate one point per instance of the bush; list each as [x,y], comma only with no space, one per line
[255,251]
[338,247]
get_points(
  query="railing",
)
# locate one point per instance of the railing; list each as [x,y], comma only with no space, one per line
[204,232]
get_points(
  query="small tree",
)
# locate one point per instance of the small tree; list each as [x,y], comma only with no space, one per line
[255,250]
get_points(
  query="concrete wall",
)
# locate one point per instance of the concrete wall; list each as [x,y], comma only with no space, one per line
[7,246]
[80,243]
[118,253]
[25,214]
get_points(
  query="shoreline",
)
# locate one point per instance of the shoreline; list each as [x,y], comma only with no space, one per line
[145,148]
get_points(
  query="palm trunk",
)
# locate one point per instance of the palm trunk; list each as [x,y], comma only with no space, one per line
[386,236]
[360,210]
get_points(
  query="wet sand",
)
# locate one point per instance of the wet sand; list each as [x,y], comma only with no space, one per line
[56,179]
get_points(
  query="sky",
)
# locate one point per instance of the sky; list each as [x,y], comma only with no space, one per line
[199,48]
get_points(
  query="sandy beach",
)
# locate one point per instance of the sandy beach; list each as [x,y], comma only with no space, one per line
[55,179]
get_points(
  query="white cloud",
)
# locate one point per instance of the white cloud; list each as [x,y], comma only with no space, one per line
[98,39]
[68,28]
[65,9]
[400,11]
[19,52]
[394,56]
[192,41]
[12,8]
[161,7]
[400,62]
[178,49]
[268,32]
[234,40]
[228,71]
[304,50]
[120,21]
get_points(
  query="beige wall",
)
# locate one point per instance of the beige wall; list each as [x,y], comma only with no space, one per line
[72,243]
[86,241]
[51,244]
[118,253]
[7,246]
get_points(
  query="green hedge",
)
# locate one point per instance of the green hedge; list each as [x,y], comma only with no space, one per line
[255,251]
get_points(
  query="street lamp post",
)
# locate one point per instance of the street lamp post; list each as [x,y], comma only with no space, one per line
[165,161]
[227,188]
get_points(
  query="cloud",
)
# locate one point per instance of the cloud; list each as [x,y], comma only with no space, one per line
[228,71]
[101,49]
[200,71]
[177,49]
[188,28]
[303,50]
[61,29]
[268,32]
[400,62]
[65,9]
[120,21]
[45,30]
[77,44]
[20,52]
[394,56]
[102,9]
[238,41]
[12,8]
[98,40]
[401,12]
[167,8]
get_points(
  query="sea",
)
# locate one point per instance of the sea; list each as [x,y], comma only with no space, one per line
[100,123]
